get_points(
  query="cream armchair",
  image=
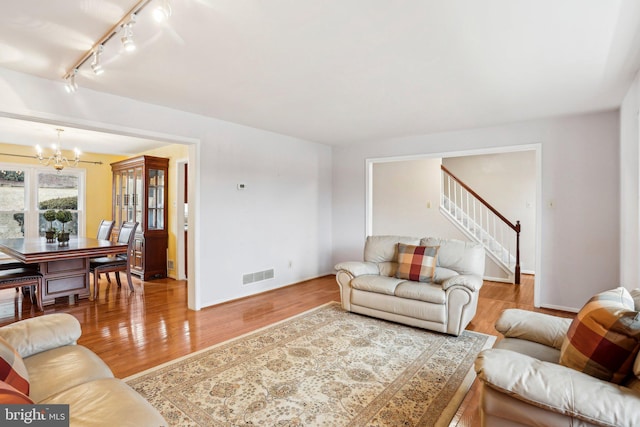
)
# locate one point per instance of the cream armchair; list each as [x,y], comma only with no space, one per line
[523,384]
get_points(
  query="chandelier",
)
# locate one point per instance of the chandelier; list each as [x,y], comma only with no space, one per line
[57,160]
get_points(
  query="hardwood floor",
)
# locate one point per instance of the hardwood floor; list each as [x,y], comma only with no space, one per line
[134,332]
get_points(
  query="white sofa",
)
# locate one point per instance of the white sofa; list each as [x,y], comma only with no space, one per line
[445,304]
[523,382]
[62,372]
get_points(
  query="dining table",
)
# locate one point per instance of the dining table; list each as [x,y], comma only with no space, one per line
[65,268]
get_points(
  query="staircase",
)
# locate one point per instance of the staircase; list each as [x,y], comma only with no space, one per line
[482,223]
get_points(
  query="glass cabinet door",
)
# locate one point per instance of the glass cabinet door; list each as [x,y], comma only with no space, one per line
[121,197]
[138,197]
[130,195]
[155,206]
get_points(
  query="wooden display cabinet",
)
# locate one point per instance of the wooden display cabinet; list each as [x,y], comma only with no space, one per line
[139,194]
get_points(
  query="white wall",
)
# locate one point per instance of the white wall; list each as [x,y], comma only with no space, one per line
[580,179]
[508,182]
[283,215]
[629,188]
[401,193]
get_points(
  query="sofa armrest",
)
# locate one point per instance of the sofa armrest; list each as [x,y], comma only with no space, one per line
[38,334]
[532,326]
[469,281]
[358,268]
[557,388]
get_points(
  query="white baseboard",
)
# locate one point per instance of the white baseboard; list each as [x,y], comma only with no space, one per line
[497,279]
[561,308]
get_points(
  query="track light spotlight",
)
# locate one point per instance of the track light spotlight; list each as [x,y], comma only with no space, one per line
[71,85]
[124,27]
[96,66]
[127,35]
[162,12]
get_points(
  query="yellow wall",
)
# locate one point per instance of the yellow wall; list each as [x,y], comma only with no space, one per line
[174,152]
[99,178]
[98,194]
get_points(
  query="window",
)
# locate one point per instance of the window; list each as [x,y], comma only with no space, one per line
[57,191]
[27,192]
[12,203]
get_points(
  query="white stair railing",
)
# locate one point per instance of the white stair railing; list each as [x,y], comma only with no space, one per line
[482,223]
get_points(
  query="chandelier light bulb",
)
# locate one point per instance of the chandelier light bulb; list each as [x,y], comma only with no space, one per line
[57,160]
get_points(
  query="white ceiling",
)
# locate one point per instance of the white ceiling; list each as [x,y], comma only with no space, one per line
[344,71]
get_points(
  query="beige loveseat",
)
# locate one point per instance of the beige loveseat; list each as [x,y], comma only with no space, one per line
[446,303]
[523,382]
[62,372]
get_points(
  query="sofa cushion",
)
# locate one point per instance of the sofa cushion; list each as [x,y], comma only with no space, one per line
[31,336]
[422,292]
[107,401]
[58,369]
[385,248]
[461,256]
[530,348]
[441,274]
[370,302]
[635,294]
[12,368]
[9,395]
[388,268]
[378,284]
[417,263]
[604,338]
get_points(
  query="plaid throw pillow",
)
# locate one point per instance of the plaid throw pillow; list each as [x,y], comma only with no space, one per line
[417,263]
[604,338]
[12,368]
[9,395]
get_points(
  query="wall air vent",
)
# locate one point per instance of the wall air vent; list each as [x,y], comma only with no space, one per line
[258,276]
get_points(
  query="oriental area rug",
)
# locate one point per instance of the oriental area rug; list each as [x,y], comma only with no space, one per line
[325,367]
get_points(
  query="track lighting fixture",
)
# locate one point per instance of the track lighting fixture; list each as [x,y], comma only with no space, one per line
[162,12]
[127,35]
[96,66]
[124,27]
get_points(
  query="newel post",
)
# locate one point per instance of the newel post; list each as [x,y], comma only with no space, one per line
[517,272]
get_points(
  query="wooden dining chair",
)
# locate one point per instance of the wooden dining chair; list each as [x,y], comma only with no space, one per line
[104,233]
[104,230]
[18,277]
[115,264]
[10,264]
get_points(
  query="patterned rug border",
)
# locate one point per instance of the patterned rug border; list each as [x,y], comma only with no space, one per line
[447,414]
[226,342]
